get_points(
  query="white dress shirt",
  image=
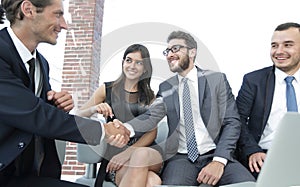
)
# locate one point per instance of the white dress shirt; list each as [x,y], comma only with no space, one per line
[26,55]
[279,107]
[204,142]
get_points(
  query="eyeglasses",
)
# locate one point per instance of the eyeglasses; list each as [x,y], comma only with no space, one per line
[174,49]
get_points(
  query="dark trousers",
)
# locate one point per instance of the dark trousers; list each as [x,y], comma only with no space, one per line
[179,170]
[21,172]
[37,182]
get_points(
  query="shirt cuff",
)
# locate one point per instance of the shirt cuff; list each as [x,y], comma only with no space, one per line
[130,128]
[103,132]
[220,159]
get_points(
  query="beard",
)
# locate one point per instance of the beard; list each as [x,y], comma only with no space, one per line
[182,65]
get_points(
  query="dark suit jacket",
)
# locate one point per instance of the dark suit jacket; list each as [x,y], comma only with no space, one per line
[254,102]
[22,114]
[217,107]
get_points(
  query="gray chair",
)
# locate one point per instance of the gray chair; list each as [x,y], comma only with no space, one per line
[92,156]
[61,150]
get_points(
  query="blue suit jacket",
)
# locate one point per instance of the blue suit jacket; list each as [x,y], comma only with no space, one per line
[217,107]
[254,102]
[22,114]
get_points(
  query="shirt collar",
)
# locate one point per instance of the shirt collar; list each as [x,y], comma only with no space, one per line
[24,53]
[280,75]
[192,75]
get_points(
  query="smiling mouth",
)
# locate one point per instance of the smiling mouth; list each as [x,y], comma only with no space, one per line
[281,58]
[132,72]
[173,61]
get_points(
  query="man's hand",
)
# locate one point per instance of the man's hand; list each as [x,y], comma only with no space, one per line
[116,134]
[256,161]
[211,174]
[62,100]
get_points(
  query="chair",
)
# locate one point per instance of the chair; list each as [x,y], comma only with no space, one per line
[91,156]
[61,150]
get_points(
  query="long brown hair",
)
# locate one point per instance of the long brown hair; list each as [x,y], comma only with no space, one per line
[144,89]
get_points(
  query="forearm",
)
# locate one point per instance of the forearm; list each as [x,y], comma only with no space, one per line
[86,112]
[149,120]
[146,140]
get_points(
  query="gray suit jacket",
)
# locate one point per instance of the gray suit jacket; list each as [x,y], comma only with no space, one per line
[217,107]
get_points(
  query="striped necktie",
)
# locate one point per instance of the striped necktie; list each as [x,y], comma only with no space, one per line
[188,121]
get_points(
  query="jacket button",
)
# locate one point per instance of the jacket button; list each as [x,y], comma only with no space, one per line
[21,145]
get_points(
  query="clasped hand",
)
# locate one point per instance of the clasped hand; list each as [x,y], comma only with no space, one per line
[116,134]
[62,100]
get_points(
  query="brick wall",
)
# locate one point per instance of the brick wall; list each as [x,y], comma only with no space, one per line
[81,63]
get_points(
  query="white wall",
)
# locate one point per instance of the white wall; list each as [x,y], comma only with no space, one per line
[236,32]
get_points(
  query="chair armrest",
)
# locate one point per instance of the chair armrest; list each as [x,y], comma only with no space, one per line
[90,154]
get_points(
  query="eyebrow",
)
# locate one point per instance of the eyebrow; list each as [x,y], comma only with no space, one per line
[137,60]
[288,41]
[60,12]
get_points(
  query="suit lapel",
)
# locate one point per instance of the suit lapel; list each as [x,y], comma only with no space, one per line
[201,86]
[270,87]
[19,66]
[44,80]
[175,89]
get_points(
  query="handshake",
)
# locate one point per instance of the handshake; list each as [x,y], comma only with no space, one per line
[116,133]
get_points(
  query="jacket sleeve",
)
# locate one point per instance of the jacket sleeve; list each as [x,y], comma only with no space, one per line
[149,120]
[245,101]
[20,109]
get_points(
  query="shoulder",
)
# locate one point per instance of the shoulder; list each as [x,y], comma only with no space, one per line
[211,76]
[8,50]
[108,84]
[169,82]
[3,33]
[260,73]
[101,92]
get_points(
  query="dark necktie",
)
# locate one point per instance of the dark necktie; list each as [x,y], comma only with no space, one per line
[291,101]
[38,141]
[31,73]
[188,121]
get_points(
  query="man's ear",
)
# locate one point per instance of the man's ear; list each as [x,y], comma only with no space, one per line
[193,52]
[27,8]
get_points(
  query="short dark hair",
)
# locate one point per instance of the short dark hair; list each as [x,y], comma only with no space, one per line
[2,14]
[11,9]
[189,39]
[286,26]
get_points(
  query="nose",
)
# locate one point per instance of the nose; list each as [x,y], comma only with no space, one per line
[63,23]
[133,64]
[280,49]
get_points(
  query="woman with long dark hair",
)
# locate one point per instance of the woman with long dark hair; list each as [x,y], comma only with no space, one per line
[123,99]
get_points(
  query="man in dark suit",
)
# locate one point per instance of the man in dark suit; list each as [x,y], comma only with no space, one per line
[262,98]
[215,121]
[31,114]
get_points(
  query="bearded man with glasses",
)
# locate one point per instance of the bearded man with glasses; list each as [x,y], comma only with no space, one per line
[203,120]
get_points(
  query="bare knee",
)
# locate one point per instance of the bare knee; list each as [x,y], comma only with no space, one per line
[140,157]
[153,179]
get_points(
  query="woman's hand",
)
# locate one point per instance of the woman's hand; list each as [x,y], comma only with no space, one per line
[104,109]
[118,160]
